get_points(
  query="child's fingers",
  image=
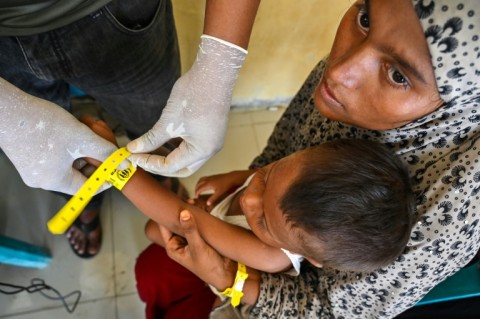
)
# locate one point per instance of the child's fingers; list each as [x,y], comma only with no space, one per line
[99,127]
[203,188]
[88,120]
[200,183]
[94,124]
[92,161]
[213,199]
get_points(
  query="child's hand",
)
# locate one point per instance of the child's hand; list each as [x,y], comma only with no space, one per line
[99,127]
[201,202]
[220,186]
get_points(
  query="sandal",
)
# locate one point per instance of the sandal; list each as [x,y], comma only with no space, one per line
[86,229]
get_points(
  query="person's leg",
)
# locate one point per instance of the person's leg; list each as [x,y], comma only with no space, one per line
[126,57]
[22,64]
[128,61]
[169,290]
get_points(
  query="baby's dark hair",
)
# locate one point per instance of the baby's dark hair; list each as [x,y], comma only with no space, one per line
[355,196]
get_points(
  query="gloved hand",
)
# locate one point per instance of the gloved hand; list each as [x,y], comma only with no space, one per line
[43,140]
[197,111]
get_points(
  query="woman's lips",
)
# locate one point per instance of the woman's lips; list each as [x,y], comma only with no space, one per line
[328,96]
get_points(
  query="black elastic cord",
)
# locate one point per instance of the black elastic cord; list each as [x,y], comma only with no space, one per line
[38,285]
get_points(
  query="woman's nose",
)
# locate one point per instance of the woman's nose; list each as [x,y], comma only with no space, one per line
[351,69]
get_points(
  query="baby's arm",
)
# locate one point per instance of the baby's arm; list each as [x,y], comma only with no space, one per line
[164,207]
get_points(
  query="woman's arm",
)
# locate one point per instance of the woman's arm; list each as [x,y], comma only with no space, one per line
[164,207]
[192,252]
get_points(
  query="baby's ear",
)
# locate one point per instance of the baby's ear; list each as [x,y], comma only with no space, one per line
[314,262]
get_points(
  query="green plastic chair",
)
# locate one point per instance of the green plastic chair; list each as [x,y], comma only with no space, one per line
[18,253]
[463,284]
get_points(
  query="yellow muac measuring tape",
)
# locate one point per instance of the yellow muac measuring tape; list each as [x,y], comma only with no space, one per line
[107,172]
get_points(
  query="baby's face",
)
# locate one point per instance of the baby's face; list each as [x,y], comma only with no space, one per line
[260,203]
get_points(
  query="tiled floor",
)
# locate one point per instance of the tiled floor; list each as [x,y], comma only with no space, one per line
[106,282]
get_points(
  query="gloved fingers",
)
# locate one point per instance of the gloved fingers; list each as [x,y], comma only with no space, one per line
[179,163]
[156,164]
[149,162]
[100,150]
[185,160]
[149,141]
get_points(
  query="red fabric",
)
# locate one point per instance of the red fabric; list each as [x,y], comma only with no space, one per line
[169,290]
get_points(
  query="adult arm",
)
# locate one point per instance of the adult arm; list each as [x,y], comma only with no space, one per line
[199,257]
[43,140]
[198,107]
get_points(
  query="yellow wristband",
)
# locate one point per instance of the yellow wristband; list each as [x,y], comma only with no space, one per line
[236,291]
[119,178]
[73,208]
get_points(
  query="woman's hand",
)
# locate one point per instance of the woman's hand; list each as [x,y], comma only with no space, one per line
[196,255]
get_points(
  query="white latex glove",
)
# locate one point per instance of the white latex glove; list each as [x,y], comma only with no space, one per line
[197,111]
[43,140]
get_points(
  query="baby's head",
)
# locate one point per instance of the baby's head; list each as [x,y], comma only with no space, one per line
[345,204]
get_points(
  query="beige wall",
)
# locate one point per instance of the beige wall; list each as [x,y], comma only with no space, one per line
[289,38]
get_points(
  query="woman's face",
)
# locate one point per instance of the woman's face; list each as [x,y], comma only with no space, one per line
[379,74]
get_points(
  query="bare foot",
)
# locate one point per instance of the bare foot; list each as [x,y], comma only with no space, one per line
[85,235]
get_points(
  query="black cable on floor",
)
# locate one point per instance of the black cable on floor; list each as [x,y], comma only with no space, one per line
[38,285]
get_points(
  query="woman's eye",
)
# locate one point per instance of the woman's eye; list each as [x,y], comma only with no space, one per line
[362,19]
[396,77]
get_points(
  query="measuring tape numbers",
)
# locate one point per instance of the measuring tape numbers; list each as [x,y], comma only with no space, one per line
[107,172]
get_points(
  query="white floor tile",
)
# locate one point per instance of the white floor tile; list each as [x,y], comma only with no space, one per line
[130,307]
[97,309]
[25,212]
[129,240]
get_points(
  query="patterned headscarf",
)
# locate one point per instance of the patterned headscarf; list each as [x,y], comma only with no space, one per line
[441,151]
